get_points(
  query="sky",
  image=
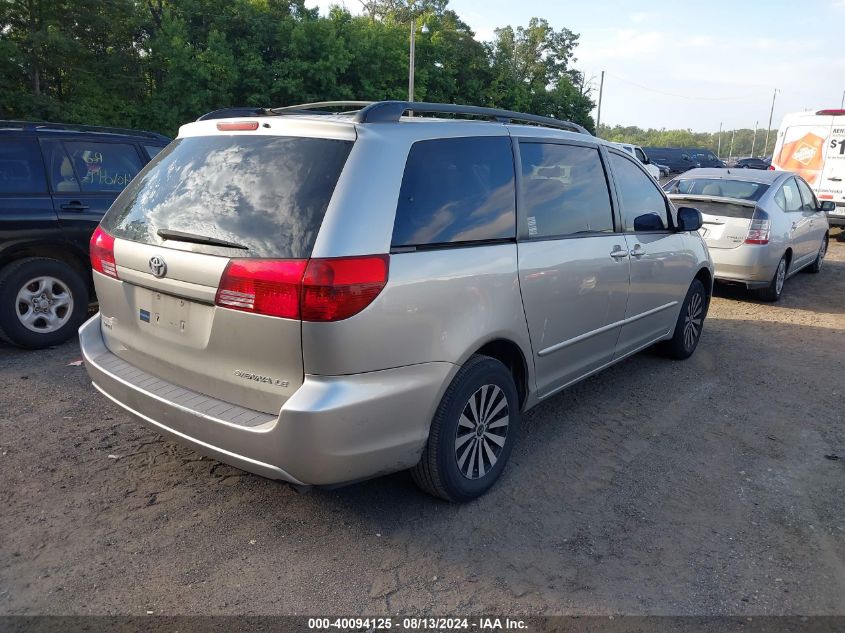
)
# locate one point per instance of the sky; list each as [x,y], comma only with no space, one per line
[686,64]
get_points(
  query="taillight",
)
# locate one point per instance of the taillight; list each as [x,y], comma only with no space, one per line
[771,168]
[311,290]
[758,230]
[101,250]
[263,286]
[337,288]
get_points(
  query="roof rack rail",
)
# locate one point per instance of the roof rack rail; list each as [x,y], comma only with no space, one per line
[318,107]
[383,111]
[74,127]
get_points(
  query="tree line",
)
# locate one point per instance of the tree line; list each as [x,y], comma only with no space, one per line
[155,64]
[739,143]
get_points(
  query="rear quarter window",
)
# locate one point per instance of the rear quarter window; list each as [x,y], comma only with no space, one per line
[456,190]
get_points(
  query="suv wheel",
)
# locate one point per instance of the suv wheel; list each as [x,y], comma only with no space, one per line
[42,302]
[472,433]
[690,323]
[773,291]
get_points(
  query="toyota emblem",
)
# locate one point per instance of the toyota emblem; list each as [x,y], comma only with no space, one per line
[158,266]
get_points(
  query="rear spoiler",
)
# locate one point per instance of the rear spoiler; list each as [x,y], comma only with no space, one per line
[691,196]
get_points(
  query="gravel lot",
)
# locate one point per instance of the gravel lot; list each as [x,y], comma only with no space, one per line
[703,487]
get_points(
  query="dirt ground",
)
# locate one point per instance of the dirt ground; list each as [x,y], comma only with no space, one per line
[710,486]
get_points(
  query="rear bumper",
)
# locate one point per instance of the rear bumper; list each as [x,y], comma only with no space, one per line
[334,429]
[752,265]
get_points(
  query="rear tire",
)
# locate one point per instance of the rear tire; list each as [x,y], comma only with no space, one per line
[42,302]
[689,325]
[774,290]
[472,433]
[816,266]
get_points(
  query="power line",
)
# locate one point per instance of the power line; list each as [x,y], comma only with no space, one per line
[679,96]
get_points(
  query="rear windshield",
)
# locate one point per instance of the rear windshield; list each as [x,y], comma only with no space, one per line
[267,193]
[737,189]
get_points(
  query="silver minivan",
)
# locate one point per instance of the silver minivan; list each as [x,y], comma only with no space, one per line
[325,297]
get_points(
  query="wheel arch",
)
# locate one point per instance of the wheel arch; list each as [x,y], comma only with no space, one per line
[57,250]
[510,354]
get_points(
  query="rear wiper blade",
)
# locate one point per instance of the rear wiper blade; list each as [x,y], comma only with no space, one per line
[181,236]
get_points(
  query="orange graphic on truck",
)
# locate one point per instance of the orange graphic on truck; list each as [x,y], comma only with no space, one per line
[804,156]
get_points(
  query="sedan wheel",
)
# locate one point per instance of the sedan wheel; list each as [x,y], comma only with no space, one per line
[482,431]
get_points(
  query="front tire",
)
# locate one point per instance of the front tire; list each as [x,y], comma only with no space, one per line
[472,433]
[690,323]
[42,302]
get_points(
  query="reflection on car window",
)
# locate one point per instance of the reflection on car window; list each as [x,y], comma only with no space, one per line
[456,190]
[640,194]
[788,198]
[739,189]
[103,166]
[807,196]
[564,190]
[21,169]
[269,193]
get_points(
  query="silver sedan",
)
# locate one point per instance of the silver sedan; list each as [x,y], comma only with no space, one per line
[761,227]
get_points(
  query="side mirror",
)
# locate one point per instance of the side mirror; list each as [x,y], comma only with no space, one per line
[828,205]
[689,219]
[648,222]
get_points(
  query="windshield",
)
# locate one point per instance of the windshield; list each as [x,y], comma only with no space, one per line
[737,189]
[267,193]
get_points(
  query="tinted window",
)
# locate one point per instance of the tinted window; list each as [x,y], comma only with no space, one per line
[21,167]
[268,193]
[640,155]
[807,196]
[456,190]
[564,190]
[788,198]
[103,166]
[640,195]
[741,189]
[153,150]
[62,176]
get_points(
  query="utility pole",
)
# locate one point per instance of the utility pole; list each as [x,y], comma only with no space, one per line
[769,129]
[411,60]
[731,150]
[598,114]
[754,138]
[719,151]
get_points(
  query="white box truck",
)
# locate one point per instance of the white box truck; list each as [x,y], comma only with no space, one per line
[813,144]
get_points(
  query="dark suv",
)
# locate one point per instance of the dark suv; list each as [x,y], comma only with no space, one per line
[56,182]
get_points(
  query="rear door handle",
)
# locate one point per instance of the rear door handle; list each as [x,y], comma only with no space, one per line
[618,252]
[74,205]
[835,179]
[638,251]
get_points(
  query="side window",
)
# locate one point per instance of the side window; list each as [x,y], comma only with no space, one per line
[640,155]
[103,166]
[59,167]
[153,150]
[564,190]
[788,198]
[21,168]
[643,205]
[456,190]
[808,198]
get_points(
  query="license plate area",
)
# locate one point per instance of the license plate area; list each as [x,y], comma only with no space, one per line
[176,319]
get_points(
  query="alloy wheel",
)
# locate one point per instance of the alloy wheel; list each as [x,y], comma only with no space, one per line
[693,320]
[781,276]
[44,304]
[482,431]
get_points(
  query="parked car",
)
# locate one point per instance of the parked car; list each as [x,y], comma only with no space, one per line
[664,170]
[678,160]
[761,227]
[812,144]
[749,163]
[56,182]
[705,158]
[334,297]
[637,152]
